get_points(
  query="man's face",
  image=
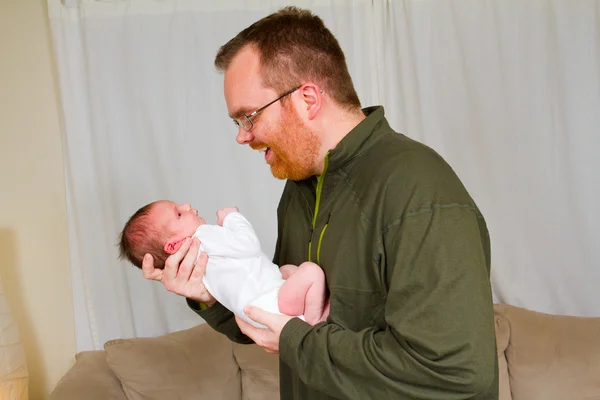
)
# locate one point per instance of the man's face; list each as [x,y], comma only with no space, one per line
[290,147]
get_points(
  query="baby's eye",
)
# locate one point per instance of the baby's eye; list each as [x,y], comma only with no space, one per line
[178,214]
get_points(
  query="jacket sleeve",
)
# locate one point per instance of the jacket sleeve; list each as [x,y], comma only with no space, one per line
[220,319]
[438,341]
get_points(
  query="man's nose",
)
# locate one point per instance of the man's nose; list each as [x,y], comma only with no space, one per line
[243,136]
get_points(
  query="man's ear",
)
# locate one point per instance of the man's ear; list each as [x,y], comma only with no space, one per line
[313,96]
[172,246]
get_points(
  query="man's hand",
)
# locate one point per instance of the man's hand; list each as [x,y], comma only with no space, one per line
[268,338]
[222,213]
[181,275]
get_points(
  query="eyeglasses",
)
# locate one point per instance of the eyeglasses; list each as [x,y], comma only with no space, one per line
[245,121]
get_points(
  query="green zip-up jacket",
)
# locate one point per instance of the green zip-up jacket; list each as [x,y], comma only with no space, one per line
[406,255]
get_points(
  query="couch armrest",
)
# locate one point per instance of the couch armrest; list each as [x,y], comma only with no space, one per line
[551,357]
[90,379]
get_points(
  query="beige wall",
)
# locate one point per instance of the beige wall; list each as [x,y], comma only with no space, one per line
[34,259]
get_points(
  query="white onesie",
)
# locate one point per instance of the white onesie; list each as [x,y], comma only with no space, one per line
[238,273]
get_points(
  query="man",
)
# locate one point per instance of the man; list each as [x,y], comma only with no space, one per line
[404,248]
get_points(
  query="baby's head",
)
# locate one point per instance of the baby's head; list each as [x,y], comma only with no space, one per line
[158,228]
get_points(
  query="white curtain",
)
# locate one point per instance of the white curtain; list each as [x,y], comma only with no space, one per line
[507,91]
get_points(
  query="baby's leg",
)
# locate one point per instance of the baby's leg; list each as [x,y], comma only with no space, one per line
[303,293]
[288,270]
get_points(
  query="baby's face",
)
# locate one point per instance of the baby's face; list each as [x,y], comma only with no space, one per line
[181,220]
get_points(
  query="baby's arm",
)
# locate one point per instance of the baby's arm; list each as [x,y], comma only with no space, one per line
[223,212]
[236,238]
[303,293]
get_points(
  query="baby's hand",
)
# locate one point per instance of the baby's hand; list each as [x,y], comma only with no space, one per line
[222,213]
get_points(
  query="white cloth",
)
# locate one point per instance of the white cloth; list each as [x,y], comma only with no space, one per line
[238,272]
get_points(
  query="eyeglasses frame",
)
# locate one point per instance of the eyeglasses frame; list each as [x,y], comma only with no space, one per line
[248,117]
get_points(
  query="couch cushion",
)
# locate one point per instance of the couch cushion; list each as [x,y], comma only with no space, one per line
[552,357]
[89,378]
[192,364]
[260,372]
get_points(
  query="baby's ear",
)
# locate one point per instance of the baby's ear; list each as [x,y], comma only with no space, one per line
[172,246]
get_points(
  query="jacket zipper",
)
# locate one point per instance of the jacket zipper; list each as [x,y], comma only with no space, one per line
[314,221]
[321,239]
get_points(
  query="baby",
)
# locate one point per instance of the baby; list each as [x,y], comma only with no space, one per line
[238,273]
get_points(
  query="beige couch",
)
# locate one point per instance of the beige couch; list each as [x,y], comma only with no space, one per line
[541,357]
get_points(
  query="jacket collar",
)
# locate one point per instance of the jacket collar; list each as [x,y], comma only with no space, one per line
[357,138]
[354,142]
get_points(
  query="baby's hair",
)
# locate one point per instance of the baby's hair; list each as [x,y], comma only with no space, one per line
[140,236]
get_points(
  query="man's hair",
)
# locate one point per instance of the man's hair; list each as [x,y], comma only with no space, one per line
[141,236]
[295,46]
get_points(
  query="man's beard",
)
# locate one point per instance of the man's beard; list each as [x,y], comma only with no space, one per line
[294,147]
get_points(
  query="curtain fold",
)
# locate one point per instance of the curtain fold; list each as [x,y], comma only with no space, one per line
[507,91]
